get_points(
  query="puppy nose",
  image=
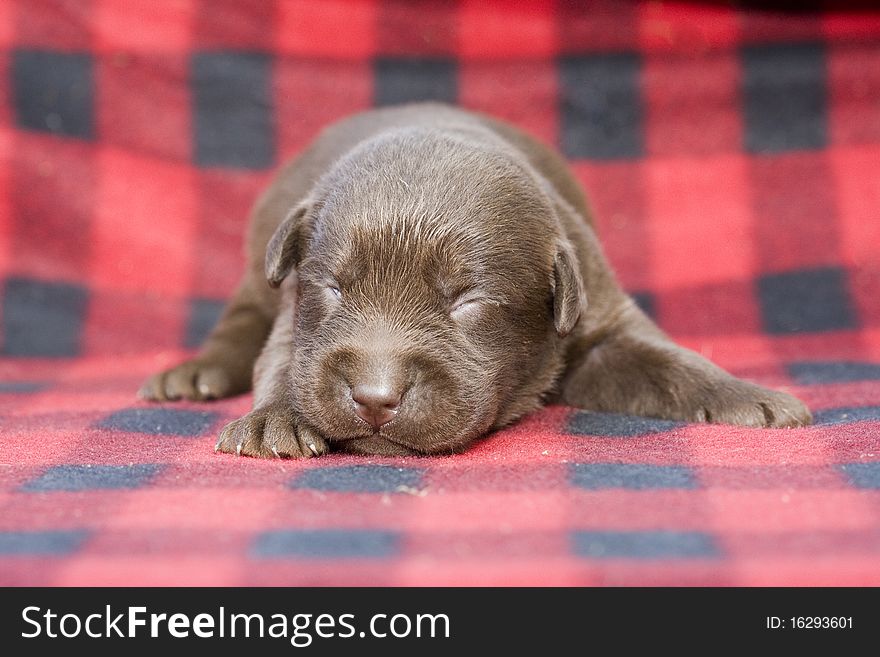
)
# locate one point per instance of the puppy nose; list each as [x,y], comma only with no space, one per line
[375,404]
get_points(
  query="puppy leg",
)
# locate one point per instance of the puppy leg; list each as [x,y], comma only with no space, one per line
[273,429]
[225,364]
[632,367]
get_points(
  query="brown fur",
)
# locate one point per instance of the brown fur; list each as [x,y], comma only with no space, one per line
[450,260]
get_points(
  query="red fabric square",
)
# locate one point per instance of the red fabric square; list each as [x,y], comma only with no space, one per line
[854,90]
[851,24]
[6,258]
[50,174]
[776,25]
[712,309]
[522,92]
[423,29]
[238,24]
[692,104]
[343,29]
[858,198]
[500,28]
[115,323]
[146,213]
[617,196]
[53,24]
[310,94]
[224,201]
[7,24]
[792,197]
[143,25]
[699,201]
[604,25]
[155,120]
[687,27]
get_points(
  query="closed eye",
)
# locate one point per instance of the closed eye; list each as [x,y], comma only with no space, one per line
[467,306]
[331,290]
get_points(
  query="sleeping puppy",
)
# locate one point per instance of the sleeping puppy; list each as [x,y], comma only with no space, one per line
[423,275]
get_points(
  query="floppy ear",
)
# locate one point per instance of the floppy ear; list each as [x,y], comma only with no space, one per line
[569,298]
[284,250]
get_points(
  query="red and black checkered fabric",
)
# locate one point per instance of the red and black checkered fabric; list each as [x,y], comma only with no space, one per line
[733,159]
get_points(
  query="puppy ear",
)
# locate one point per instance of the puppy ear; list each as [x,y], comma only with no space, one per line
[569,298]
[284,250]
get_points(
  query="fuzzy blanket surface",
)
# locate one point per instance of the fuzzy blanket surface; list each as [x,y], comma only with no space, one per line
[733,160]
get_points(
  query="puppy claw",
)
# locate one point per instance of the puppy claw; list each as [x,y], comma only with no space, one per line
[745,404]
[272,431]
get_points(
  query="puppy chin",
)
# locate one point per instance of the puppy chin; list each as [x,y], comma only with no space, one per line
[375,446]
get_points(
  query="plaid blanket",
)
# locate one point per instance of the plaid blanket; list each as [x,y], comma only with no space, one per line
[733,159]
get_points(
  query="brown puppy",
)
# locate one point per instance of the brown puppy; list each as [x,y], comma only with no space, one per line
[439,277]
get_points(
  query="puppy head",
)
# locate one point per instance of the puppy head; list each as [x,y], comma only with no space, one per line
[432,293]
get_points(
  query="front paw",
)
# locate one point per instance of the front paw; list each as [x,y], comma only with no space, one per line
[273,431]
[199,379]
[746,404]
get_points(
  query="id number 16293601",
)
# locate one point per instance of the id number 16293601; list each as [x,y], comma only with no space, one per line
[810,623]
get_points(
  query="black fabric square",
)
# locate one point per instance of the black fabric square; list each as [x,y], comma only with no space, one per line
[53,92]
[602,109]
[589,423]
[635,476]
[647,302]
[21,387]
[203,316]
[160,421]
[810,372]
[405,80]
[42,542]
[862,475]
[232,95]
[327,544]
[658,544]
[847,415]
[806,300]
[360,479]
[92,477]
[784,91]
[42,319]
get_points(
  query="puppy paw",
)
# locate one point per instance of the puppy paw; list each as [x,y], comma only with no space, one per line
[655,378]
[197,379]
[271,432]
[746,404]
